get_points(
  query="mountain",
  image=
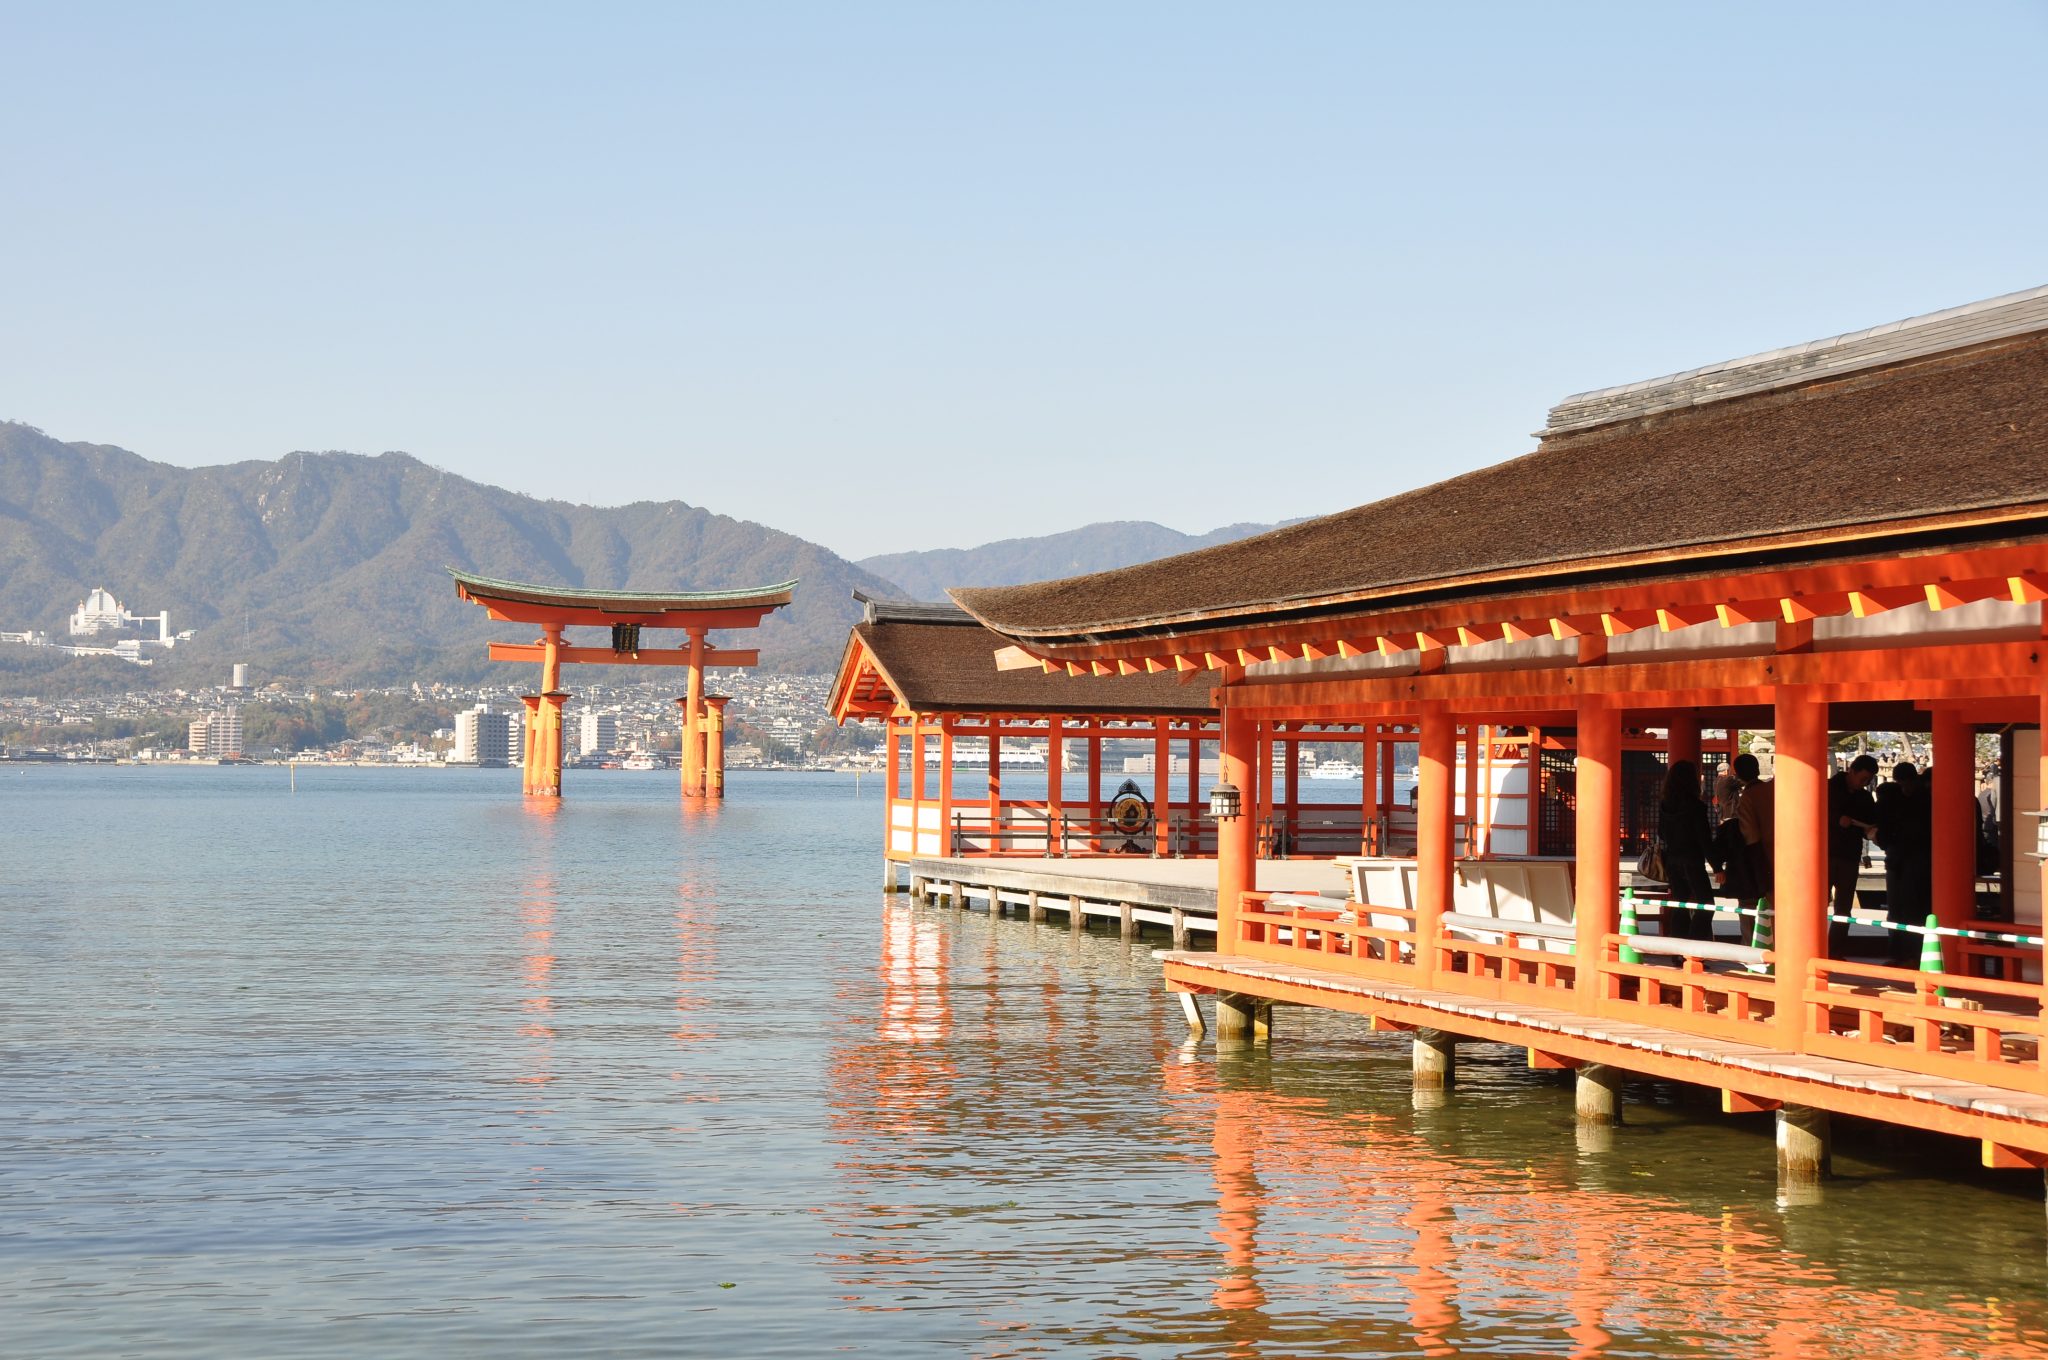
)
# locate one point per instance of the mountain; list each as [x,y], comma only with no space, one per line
[327,567]
[1017,561]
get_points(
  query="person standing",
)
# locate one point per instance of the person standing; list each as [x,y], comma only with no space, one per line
[1746,863]
[1852,816]
[1905,832]
[1688,846]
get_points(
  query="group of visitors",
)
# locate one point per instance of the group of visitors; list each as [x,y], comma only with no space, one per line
[1729,849]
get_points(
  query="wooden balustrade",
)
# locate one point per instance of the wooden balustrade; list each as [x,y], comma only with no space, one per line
[1979,1029]
[1941,1024]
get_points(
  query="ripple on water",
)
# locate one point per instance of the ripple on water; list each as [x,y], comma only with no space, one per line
[395,1065]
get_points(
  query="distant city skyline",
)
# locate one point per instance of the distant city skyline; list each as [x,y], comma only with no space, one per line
[907,276]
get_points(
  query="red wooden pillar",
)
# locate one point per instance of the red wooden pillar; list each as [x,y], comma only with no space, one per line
[1055,784]
[1162,786]
[1800,861]
[692,760]
[1684,739]
[529,748]
[714,744]
[892,783]
[1435,852]
[946,786]
[1597,831]
[1368,788]
[1095,789]
[1262,795]
[995,784]
[1236,840]
[1954,794]
[1292,810]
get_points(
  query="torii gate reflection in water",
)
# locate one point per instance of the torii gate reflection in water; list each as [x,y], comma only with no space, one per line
[626,613]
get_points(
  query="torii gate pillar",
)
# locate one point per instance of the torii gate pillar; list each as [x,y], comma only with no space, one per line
[714,744]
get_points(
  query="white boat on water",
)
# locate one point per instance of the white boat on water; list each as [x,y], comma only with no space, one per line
[1336,769]
[638,763]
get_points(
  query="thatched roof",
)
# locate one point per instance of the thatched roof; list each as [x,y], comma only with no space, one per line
[1948,447]
[936,659]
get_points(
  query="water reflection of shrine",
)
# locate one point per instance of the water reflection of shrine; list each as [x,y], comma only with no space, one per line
[1331,1224]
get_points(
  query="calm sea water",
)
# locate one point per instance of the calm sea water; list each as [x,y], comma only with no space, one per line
[400,1065]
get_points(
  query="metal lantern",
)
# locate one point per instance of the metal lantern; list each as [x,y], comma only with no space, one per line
[2040,831]
[1225,802]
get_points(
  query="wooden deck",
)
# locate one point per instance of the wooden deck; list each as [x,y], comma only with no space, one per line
[1176,894]
[2012,1124]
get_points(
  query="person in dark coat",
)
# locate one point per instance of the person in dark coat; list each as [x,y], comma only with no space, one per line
[1852,816]
[1905,832]
[1688,848]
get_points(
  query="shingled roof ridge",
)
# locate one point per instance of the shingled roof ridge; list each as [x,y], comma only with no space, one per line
[1952,328]
[875,609]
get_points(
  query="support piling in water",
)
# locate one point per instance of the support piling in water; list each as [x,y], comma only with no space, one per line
[1803,1143]
[1241,1017]
[1597,1094]
[1435,1059]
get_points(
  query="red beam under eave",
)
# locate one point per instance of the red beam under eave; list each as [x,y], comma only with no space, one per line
[605,656]
[1985,669]
[1880,583]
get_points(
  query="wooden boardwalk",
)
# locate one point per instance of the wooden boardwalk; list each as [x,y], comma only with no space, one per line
[2011,1123]
[1178,895]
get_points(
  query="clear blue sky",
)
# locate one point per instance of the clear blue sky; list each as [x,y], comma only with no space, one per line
[894,276]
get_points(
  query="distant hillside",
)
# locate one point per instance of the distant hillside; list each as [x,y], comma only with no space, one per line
[332,562]
[1017,561]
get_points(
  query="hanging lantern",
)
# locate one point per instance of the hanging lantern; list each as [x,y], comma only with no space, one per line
[1225,802]
[2040,850]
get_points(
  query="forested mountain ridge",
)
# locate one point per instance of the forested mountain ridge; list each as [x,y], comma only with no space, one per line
[329,566]
[1017,561]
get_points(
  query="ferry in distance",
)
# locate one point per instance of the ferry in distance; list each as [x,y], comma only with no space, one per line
[1336,769]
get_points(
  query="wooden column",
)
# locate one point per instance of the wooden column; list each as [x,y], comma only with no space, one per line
[1263,767]
[1369,789]
[1291,809]
[1954,795]
[946,784]
[1468,801]
[1800,862]
[714,745]
[1055,782]
[1435,853]
[549,773]
[1683,741]
[915,771]
[1598,834]
[1095,790]
[892,781]
[1162,786]
[1236,840]
[529,745]
[995,789]
[693,720]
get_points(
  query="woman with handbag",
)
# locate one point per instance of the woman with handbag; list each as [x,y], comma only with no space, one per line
[1688,845]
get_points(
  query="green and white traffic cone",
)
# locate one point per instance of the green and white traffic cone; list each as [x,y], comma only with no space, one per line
[1629,926]
[1930,951]
[1760,931]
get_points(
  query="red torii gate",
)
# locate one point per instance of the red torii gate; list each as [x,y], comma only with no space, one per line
[625,612]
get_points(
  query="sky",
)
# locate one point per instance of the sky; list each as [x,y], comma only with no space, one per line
[894,276]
